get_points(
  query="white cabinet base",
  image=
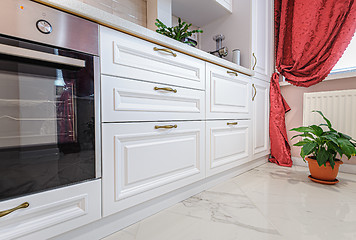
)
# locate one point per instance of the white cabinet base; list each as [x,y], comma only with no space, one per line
[227,145]
[141,162]
[52,212]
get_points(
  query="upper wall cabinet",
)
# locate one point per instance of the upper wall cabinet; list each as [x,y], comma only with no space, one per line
[262,47]
[201,12]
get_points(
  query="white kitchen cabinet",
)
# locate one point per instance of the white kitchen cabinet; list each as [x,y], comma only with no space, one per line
[142,161]
[51,212]
[262,42]
[227,94]
[131,100]
[228,144]
[260,116]
[126,56]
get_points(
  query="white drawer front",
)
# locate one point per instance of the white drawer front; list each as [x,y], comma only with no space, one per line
[130,100]
[52,212]
[130,57]
[141,162]
[227,96]
[228,146]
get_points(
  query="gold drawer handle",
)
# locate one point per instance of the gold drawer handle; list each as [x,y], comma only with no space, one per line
[254,95]
[165,50]
[6,212]
[254,65]
[232,123]
[231,72]
[165,89]
[166,126]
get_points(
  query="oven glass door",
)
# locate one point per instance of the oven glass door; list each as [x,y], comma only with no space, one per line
[47,121]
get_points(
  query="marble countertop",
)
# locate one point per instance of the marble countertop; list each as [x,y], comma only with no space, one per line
[86,11]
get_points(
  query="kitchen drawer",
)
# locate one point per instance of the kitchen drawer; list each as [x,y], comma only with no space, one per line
[228,144]
[228,94]
[126,56]
[131,100]
[51,213]
[141,162]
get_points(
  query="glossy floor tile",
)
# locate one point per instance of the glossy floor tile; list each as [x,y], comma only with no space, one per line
[268,202]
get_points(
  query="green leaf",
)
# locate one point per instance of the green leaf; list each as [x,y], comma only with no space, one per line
[332,138]
[346,146]
[302,129]
[303,135]
[302,154]
[326,120]
[345,136]
[318,131]
[332,147]
[322,156]
[308,148]
[332,161]
[303,142]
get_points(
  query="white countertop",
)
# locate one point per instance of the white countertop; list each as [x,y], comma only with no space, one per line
[109,20]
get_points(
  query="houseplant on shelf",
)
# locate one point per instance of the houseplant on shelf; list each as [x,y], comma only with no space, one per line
[180,32]
[320,148]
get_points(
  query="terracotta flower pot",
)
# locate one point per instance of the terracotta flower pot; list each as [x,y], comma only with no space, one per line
[322,172]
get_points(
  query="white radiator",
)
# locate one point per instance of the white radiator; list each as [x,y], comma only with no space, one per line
[338,106]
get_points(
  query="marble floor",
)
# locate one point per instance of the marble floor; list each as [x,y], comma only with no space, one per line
[268,202]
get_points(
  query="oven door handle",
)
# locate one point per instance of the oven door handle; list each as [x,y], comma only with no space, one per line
[40,56]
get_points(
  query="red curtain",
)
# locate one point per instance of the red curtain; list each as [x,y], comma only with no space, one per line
[310,37]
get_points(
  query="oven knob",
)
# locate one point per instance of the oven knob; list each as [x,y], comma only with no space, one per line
[44,27]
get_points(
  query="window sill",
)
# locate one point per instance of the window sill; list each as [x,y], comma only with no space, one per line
[331,76]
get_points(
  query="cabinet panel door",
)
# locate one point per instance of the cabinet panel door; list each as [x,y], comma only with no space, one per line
[228,145]
[52,212]
[126,56]
[262,46]
[260,117]
[131,100]
[227,95]
[141,162]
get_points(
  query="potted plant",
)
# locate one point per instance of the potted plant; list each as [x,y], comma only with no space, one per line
[320,149]
[180,32]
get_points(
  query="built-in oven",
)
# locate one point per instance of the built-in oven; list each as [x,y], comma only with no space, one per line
[49,99]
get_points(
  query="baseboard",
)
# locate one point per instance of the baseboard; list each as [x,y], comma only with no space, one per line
[114,223]
[345,168]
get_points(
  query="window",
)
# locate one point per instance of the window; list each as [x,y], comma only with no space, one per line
[347,62]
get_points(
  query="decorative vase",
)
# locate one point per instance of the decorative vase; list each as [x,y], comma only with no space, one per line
[325,173]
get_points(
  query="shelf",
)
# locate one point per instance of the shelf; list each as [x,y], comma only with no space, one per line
[29,119]
[27,103]
[201,12]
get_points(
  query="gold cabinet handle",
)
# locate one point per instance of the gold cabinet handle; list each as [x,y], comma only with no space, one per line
[254,65]
[168,89]
[231,72]
[166,126]
[254,95]
[231,123]
[165,50]
[6,212]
